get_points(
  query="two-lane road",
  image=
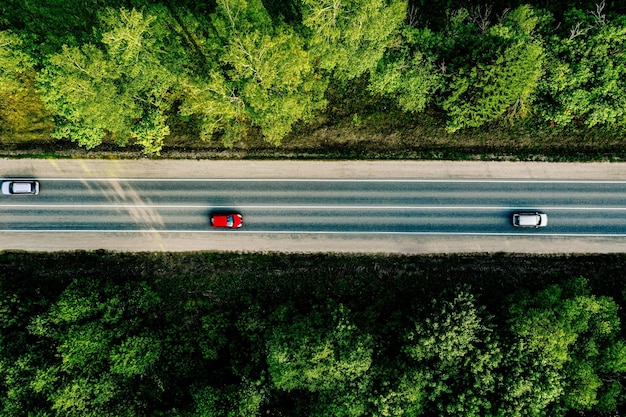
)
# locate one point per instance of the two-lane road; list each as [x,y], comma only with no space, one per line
[334,206]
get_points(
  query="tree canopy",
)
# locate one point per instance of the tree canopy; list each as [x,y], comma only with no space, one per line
[128,342]
[223,70]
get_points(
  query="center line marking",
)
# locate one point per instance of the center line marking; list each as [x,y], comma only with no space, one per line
[306,207]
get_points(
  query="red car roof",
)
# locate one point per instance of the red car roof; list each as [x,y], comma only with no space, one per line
[226,220]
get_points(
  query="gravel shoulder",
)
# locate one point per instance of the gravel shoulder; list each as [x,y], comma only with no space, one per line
[155,241]
[87,168]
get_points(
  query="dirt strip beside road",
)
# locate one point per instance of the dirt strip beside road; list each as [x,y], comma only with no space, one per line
[87,168]
[299,243]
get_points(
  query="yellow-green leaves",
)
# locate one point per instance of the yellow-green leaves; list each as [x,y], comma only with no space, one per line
[562,330]
[264,77]
[129,37]
[349,37]
[586,77]
[452,358]
[313,353]
[121,88]
[409,75]
[504,80]
[13,61]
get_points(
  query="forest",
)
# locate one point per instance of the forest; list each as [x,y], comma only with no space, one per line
[135,72]
[207,334]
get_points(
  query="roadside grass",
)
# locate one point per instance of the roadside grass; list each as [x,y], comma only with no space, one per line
[358,281]
[355,125]
[373,139]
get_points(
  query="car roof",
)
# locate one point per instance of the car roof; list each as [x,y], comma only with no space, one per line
[221,220]
[528,219]
[23,185]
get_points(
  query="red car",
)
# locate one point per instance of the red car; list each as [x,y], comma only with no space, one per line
[229,220]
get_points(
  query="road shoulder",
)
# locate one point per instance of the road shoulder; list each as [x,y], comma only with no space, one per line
[85,168]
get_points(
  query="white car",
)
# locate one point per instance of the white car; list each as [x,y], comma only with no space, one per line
[535,219]
[12,187]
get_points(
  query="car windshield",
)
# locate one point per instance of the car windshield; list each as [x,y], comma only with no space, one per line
[229,221]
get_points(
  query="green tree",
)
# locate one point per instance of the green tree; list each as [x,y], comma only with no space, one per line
[408,70]
[103,344]
[349,37]
[243,400]
[261,76]
[505,78]
[322,352]
[14,62]
[452,360]
[567,353]
[585,80]
[51,23]
[21,356]
[529,385]
[123,87]
[403,392]
[19,366]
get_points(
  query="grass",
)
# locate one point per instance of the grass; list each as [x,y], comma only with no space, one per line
[354,126]
[344,141]
[352,279]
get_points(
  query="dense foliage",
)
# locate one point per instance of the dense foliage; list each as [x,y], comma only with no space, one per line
[244,335]
[133,71]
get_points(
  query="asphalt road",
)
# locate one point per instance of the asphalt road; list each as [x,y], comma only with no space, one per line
[481,207]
